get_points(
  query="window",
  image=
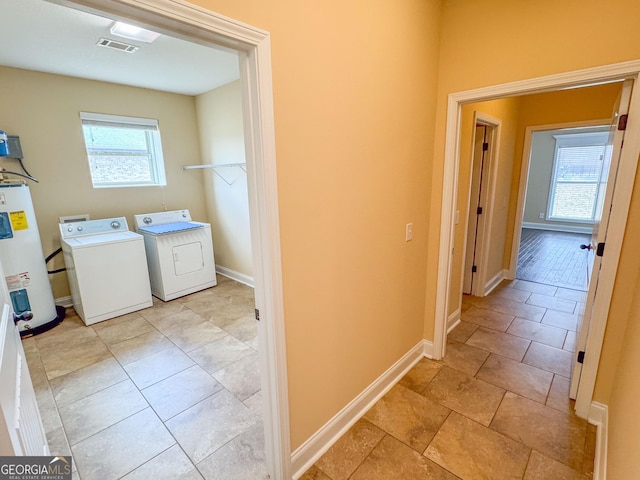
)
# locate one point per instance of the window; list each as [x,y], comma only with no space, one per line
[123,151]
[578,180]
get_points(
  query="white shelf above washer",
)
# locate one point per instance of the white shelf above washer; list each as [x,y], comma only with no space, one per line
[215,166]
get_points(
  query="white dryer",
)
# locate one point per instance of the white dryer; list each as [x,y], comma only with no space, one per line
[179,253]
[107,268]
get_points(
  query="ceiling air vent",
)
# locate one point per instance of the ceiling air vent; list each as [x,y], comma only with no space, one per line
[123,47]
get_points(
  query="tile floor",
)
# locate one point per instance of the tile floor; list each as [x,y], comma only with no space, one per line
[496,407]
[169,392]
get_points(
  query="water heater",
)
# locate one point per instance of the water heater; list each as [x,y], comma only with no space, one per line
[23,261]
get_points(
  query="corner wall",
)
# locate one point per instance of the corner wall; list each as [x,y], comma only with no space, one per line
[219,114]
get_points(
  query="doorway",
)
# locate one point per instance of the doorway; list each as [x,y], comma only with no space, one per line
[628,164]
[565,182]
[252,45]
[482,188]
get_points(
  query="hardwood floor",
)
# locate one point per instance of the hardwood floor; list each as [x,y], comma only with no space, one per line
[553,258]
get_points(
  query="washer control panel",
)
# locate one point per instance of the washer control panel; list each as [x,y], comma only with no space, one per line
[160,218]
[93,227]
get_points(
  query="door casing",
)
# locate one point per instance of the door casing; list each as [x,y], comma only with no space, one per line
[193,23]
[622,198]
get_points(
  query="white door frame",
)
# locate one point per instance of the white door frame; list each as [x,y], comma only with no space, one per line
[190,22]
[524,179]
[617,225]
[487,199]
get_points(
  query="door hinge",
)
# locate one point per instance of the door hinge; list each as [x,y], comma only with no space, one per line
[257,314]
[474,269]
[622,122]
[580,357]
[600,249]
[485,146]
[479,211]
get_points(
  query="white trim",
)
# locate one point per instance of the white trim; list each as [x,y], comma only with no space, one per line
[557,228]
[617,223]
[449,189]
[66,302]
[191,22]
[615,230]
[107,119]
[427,348]
[233,275]
[599,416]
[494,281]
[316,445]
[453,321]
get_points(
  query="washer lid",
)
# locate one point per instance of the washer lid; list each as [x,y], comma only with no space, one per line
[167,228]
[101,239]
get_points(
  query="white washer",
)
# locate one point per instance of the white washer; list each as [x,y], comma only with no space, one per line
[107,268]
[179,253]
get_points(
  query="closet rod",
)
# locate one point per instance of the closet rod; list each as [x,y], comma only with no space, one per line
[213,165]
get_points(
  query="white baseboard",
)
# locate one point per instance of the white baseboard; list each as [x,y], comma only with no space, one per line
[428,348]
[453,321]
[233,275]
[65,302]
[557,228]
[495,281]
[599,416]
[311,450]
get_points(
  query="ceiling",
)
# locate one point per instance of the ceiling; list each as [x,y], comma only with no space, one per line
[42,36]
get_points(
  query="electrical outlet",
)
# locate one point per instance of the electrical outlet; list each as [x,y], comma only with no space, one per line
[541,216]
[408,232]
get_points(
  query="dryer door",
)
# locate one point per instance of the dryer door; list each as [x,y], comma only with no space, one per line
[188,258]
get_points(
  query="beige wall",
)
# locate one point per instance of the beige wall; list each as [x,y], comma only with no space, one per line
[354,96]
[219,114]
[624,427]
[517,51]
[43,110]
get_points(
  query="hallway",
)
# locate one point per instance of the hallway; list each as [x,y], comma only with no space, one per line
[496,407]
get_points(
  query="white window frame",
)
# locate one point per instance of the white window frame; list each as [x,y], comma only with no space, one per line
[586,139]
[150,126]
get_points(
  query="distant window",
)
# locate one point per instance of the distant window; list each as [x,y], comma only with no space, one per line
[578,180]
[123,151]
